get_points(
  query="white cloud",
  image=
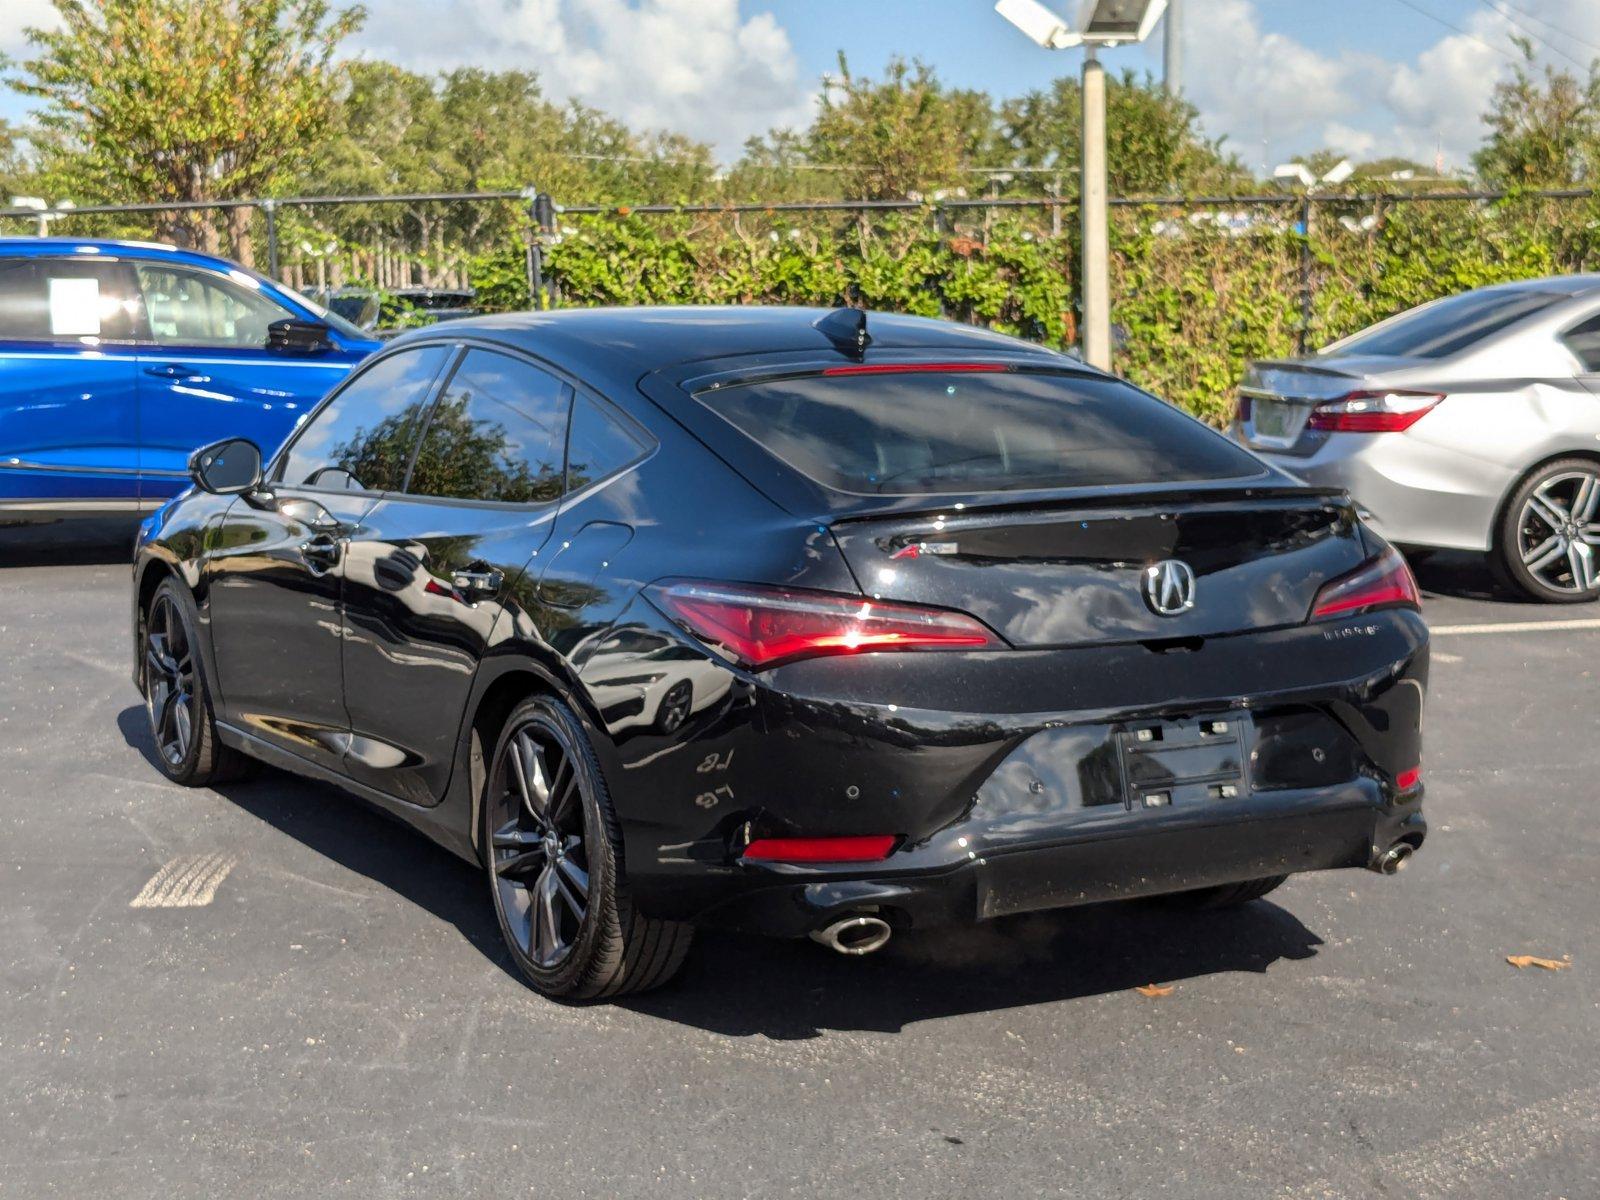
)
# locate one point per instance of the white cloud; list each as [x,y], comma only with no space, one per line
[20,15]
[691,66]
[1257,86]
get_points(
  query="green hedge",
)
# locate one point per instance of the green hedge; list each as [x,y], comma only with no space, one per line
[1194,297]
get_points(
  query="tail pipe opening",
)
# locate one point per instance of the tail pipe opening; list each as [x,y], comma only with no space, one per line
[1393,860]
[859,933]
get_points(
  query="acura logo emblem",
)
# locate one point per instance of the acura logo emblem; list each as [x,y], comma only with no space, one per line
[1169,587]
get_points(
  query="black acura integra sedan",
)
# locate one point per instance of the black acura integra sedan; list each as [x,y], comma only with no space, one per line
[791,621]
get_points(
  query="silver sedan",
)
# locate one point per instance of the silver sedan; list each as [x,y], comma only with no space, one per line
[1471,423]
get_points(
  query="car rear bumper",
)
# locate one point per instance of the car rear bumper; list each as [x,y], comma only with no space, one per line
[1119,790]
[1124,858]
[1414,493]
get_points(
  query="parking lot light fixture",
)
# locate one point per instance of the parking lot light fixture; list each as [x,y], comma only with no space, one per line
[1102,23]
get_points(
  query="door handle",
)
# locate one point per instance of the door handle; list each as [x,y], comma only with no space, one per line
[478,583]
[321,552]
[173,371]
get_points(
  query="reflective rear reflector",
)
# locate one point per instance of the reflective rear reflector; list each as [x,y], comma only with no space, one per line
[818,850]
[1407,780]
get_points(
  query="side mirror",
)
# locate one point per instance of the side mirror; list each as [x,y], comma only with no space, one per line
[290,336]
[230,467]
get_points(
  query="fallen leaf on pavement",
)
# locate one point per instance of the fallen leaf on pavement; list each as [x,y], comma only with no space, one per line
[1153,989]
[1533,960]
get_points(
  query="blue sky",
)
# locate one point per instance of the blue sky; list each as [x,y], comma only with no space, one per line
[1276,77]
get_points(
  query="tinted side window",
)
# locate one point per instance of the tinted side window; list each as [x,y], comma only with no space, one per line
[71,300]
[498,432]
[191,308]
[601,443]
[1584,342]
[362,439]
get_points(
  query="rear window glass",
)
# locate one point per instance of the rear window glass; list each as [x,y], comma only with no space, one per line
[1446,326]
[927,432]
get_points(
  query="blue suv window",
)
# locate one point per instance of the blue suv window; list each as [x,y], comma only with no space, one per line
[82,300]
[197,308]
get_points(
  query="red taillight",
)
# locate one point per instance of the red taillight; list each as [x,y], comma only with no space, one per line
[820,849]
[1385,582]
[910,368]
[1407,780]
[1373,412]
[1241,411]
[765,626]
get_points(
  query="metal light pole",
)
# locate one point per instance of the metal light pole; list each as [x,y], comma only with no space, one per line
[1172,48]
[1102,23]
[1096,284]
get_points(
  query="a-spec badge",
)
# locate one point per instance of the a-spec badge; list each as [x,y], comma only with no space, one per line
[918,549]
[1169,587]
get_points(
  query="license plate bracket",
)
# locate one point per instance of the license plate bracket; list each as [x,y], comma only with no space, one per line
[1181,763]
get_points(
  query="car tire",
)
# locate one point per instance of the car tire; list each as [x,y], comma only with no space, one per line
[1227,895]
[1546,543]
[178,694]
[552,850]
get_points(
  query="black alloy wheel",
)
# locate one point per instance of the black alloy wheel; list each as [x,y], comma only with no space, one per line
[553,852]
[177,696]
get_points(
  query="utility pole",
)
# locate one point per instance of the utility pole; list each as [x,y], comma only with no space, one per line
[1096,281]
[1172,58]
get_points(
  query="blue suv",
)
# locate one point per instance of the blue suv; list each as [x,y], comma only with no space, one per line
[118,359]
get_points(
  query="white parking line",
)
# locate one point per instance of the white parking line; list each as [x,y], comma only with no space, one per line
[1515,627]
[188,881]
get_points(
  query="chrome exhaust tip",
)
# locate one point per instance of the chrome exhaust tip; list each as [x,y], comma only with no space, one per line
[854,935]
[1395,858]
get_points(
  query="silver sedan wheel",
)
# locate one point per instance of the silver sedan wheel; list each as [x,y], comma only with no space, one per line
[1559,532]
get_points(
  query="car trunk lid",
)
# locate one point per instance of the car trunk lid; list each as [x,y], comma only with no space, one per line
[1278,396]
[1072,572]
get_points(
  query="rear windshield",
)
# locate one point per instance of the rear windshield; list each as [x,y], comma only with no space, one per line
[926,432]
[1446,326]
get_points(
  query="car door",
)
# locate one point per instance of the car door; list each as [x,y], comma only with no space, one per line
[208,373]
[276,573]
[432,571]
[69,416]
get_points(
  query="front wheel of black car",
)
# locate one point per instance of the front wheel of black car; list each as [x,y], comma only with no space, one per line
[553,851]
[177,695]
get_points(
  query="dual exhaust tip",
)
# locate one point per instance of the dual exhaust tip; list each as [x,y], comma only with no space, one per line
[859,933]
[1395,858]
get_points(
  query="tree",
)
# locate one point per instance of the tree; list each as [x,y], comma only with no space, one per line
[905,133]
[1153,141]
[1544,129]
[187,100]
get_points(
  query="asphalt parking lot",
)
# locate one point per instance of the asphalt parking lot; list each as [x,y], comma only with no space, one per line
[330,1013]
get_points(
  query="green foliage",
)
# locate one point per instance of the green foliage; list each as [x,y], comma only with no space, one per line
[906,133]
[1154,145]
[1544,130]
[185,100]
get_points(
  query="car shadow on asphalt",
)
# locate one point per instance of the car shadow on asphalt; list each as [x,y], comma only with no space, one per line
[785,990]
[1463,575]
[739,985]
